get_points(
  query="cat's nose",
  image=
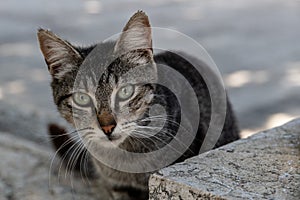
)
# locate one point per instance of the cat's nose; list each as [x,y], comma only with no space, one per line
[107,123]
[108,129]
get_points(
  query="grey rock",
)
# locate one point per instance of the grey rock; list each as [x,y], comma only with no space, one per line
[263,166]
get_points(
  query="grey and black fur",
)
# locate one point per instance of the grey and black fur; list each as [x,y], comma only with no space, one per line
[107,119]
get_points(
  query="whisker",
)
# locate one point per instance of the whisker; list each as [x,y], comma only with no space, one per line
[65,157]
[83,165]
[74,160]
[74,156]
[140,139]
[168,133]
[67,142]
[165,143]
[70,133]
[69,168]
[147,118]
[56,153]
[173,122]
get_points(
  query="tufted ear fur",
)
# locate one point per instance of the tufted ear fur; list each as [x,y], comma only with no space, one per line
[136,35]
[59,55]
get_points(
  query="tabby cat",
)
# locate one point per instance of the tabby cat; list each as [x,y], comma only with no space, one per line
[108,92]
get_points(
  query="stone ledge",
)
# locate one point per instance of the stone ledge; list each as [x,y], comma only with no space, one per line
[263,166]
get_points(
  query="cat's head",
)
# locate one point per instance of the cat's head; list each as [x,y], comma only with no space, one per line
[105,88]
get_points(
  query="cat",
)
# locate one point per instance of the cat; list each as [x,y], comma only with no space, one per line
[111,110]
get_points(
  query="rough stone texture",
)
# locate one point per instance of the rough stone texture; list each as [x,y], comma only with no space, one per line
[264,166]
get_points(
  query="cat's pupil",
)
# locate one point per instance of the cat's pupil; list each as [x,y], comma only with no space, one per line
[81,99]
[126,92]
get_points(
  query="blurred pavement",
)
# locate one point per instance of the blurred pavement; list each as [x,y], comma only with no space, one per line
[255,44]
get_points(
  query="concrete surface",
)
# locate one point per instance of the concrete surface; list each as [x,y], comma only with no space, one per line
[263,166]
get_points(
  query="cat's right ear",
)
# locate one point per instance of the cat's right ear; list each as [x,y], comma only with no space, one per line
[135,35]
[59,55]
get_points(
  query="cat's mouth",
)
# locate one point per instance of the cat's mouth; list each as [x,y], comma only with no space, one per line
[113,137]
[98,134]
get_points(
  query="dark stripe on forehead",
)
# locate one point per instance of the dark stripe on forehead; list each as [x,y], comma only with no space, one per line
[94,79]
[104,77]
[112,72]
[122,65]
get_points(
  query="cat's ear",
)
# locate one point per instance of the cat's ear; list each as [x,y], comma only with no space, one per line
[136,35]
[59,55]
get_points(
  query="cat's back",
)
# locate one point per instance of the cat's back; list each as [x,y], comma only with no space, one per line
[185,74]
[190,77]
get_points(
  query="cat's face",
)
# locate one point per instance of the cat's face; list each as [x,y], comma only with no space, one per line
[108,101]
[113,103]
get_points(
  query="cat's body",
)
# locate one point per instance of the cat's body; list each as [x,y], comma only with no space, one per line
[107,102]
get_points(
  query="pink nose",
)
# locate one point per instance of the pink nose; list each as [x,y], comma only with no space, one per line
[107,122]
[108,129]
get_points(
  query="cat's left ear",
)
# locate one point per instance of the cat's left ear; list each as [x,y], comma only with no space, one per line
[136,35]
[59,55]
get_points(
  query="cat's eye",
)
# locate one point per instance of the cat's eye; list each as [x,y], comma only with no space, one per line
[125,92]
[82,99]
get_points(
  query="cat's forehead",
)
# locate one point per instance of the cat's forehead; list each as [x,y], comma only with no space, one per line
[99,80]
[99,58]
[102,59]
[102,70]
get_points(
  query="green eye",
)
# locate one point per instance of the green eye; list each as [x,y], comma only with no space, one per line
[81,99]
[126,92]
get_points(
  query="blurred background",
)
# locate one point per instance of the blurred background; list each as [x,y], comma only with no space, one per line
[255,44]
